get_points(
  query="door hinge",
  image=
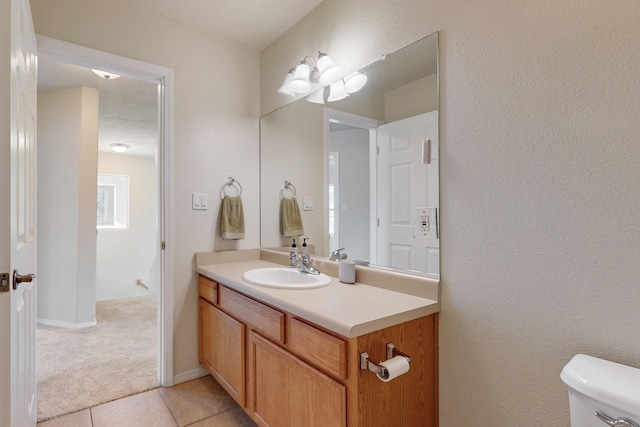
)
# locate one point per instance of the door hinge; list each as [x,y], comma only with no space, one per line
[4,282]
[378,150]
[162,246]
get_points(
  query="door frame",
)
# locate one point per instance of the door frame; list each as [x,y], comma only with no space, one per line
[336,199]
[370,124]
[70,53]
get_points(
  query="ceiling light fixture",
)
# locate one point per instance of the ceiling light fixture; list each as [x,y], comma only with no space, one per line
[119,147]
[106,75]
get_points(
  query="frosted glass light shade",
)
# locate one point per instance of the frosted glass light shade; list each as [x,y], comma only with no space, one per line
[337,91]
[119,148]
[286,89]
[354,82]
[328,70]
[105,74]
[316,97]
[300,82]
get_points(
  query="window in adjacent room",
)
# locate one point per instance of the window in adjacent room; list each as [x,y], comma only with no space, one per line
[113,202]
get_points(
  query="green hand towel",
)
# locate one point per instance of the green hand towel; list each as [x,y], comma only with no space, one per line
[290,218]
[232,218]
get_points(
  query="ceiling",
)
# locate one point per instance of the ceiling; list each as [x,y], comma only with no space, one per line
[253,23]
[128,107]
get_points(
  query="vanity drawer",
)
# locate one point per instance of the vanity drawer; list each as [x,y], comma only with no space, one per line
[257,316]
[208,289]
[325,351]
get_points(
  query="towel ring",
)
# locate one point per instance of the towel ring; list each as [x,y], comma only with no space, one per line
[230,183]
[288,186]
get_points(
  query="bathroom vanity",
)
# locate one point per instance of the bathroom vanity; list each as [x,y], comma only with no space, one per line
[294,357]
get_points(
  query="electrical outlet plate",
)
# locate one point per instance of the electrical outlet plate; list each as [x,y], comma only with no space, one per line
[425,223]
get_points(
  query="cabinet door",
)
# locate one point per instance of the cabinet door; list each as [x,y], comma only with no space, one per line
[222,349]
[289,393]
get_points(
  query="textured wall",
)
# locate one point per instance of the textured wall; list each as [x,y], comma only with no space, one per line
[540,185]
[216,97]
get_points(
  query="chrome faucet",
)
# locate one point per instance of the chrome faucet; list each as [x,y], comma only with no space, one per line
[337,255]
[304,265]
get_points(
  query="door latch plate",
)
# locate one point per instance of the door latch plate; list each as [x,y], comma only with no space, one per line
[4,282]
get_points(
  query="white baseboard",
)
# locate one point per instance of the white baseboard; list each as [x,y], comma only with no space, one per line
[190,375]
[68,325]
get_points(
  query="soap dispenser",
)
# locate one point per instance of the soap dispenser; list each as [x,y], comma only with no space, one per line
[305,249]
[293,255]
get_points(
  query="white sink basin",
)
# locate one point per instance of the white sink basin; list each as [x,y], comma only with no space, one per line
[285,278]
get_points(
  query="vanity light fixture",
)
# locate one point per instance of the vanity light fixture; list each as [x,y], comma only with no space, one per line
[309,70]
[354,82]
[340,89]
[106,75]
[316,97]
[325,72]
[301,80]
[286,89]
[328,71]
[337,91]
[119,147]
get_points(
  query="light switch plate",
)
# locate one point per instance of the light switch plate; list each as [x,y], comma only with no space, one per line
[308,203]
[425,223]
[199,201]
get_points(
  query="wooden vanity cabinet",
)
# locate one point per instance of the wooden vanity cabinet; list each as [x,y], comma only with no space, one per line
[222,349]
[287,372]
[289,392]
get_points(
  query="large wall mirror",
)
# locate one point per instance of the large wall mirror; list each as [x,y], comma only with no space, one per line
[364,169]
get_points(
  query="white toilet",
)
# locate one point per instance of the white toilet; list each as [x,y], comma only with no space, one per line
[602,393]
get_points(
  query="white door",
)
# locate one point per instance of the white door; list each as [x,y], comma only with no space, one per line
[406,185]
[19,225]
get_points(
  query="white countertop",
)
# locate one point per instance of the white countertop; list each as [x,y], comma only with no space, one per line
[349,310]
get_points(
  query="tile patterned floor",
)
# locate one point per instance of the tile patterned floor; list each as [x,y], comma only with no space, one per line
[198,403]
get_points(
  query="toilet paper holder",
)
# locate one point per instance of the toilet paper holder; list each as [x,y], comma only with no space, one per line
[392,351]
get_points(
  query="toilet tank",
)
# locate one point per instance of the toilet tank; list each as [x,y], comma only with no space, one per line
[597,385]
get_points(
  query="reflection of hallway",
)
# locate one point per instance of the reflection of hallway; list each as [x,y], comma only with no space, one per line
[80,368]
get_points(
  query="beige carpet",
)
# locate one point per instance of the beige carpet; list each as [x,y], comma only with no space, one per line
[81,368]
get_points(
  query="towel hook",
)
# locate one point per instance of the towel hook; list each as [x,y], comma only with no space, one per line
[230,183]
[288,186]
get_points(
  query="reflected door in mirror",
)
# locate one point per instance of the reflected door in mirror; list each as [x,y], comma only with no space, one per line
[407,187]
